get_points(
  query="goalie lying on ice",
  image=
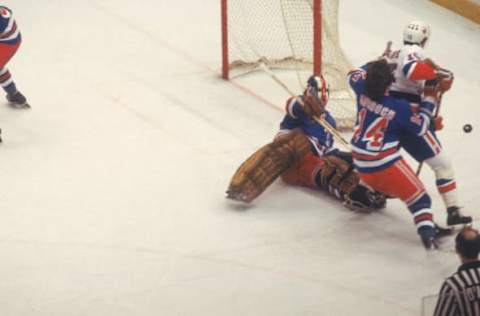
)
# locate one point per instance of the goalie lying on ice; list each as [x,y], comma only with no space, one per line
[302,153]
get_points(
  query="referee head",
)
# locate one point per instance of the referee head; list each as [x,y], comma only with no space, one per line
[467,244]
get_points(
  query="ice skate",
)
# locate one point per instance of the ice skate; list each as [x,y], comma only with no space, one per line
[455,218]
[428,235]
[17,100]
[430,243]
[442,231]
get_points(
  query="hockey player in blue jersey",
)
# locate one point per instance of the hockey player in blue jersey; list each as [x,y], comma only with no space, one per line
[412,69]
[303,154]
[381,121]
[10,39]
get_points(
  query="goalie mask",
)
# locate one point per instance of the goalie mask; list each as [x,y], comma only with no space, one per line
[416,32]
[318,87]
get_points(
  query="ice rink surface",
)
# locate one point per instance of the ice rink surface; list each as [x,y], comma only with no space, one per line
[112,194]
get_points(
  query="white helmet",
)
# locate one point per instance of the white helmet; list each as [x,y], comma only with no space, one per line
[416,32]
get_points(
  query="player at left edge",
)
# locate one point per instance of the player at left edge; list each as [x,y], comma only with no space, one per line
[10,40]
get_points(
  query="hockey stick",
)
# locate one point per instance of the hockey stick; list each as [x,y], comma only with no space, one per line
[437,111]
[320,120]
[388,49]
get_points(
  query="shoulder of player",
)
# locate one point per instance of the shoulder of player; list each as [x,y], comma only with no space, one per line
[290,106]
[5,17]
[5,13]
[456,280]
[394,108]
[411,48]
[356,79]
[451,283]
[416,50]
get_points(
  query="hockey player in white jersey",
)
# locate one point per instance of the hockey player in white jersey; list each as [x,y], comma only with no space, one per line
[411,69]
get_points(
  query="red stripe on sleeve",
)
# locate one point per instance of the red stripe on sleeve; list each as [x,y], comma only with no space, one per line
[422,71]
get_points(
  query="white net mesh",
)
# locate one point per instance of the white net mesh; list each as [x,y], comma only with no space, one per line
[280,34]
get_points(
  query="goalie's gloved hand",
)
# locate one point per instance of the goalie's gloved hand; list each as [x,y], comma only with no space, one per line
[315,97]
[312,105]
[363,199]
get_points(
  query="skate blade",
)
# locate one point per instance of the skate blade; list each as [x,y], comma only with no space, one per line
[19,106]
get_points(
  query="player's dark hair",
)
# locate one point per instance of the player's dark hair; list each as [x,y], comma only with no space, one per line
[379,78]
[467,243]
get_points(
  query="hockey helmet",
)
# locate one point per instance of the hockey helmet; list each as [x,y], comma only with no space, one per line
[416,32]
[318,87]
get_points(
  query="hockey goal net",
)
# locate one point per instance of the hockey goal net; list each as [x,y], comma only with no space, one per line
[295,35]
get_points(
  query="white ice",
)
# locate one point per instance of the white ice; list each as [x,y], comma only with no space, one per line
[112,186]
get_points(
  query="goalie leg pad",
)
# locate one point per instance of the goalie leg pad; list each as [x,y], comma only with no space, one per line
[266,164]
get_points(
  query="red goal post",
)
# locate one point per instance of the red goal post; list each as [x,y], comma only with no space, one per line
[296,35]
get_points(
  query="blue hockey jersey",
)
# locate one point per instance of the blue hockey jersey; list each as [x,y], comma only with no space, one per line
[375,142]
[9,32]
[322,142]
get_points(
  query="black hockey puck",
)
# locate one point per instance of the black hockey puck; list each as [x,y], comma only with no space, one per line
[467,128]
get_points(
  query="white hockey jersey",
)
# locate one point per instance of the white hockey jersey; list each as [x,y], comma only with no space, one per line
[404,63]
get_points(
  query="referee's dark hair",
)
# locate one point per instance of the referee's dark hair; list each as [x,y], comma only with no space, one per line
[467,243]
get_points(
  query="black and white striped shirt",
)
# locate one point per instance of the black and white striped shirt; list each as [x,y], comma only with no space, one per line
[460,293]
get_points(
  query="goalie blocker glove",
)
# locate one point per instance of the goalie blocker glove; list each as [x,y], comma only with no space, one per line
[315,97]
[362,199]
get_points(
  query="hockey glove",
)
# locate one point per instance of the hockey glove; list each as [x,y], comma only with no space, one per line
[445,79]
[431,89]
[312,105]
[437,123]
[443,76]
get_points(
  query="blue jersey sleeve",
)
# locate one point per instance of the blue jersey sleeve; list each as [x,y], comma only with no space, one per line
[329,140]
[417,123]
[356,79]
[294,109]
[329,118]
[5,16]
[322,142]
[9,32]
